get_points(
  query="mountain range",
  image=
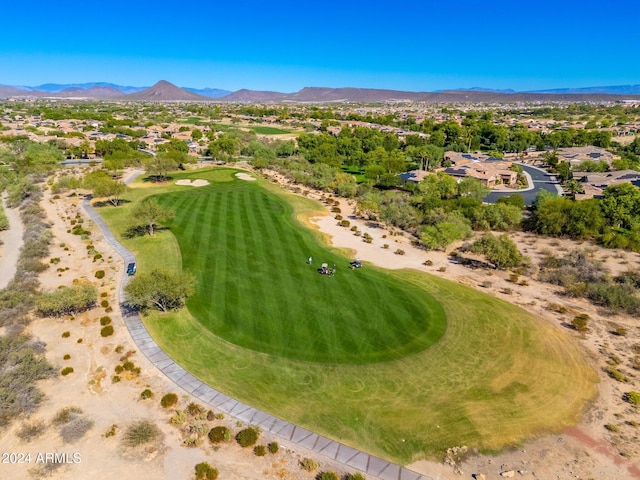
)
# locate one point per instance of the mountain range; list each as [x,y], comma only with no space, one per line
[164,91]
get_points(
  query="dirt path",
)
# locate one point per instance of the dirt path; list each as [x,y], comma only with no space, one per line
[12,243]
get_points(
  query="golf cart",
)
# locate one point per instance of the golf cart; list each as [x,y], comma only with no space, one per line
[131,269]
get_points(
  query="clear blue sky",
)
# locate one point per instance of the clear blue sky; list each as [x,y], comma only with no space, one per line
[417,45]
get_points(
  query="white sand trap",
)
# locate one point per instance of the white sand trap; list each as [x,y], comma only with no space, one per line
[195,183]
[245,176]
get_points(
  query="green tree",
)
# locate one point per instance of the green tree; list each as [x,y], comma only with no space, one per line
[160,289]
[149,214]
[112,190]
[159,166]
[501,251]
[621,205]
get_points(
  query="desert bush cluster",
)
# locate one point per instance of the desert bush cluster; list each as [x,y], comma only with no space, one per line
[583,276]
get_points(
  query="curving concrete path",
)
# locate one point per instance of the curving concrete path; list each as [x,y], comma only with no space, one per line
[350,457]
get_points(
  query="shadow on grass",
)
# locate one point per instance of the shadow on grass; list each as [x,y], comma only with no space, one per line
[106,203]
[159,179]
[141,231]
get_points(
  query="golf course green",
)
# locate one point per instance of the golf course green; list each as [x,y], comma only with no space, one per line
[401,364]
[256,289]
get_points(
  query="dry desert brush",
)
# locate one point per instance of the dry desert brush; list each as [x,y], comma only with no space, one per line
[141,433]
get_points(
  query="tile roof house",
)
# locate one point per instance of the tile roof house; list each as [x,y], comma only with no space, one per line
[594,183]
[574,156]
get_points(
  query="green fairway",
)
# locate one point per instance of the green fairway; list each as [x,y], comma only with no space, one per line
[260,130]
[394,386]
[255,288]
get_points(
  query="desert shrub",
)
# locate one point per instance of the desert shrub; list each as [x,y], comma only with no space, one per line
[210,415]
[204,471]
[616,374]
[219,434]
[633,398]
[55,260]
[75,429]
[612,428]
[66,300]
[442,269]
[355,476]
[66,371]
[620,331]
[119,369]
[580,322]
[119,349]
[66,414]
[96,257]
[140,433]
[106,331]
[100,274]
[399,252]
[116,378]
[29,431]
[247,437]
[260,450]
[169,400]
[179,417]
[354,228]
[106,320]
[336,210]
[327,476]
[108,309]
[79,340]
[129,366]
[338,217]
[345,223]
[66,334]
[308,464]
[273,447]
[104,303]
[194,409]
[66,357]
[385,246]
[146,393]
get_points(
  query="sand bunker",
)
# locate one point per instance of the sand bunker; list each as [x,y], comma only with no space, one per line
[245,176]
[195,183]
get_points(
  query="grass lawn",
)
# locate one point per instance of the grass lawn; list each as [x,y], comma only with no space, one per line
[260,130]
[256,290]
[358,370]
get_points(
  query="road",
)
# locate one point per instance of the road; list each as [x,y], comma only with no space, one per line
[542,180]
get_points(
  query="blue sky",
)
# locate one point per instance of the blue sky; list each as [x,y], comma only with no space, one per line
[286,45]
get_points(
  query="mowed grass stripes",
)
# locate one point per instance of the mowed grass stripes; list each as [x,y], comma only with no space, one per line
[255,289]
[497,376]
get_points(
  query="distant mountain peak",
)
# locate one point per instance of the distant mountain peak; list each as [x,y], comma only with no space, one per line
[164,91]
